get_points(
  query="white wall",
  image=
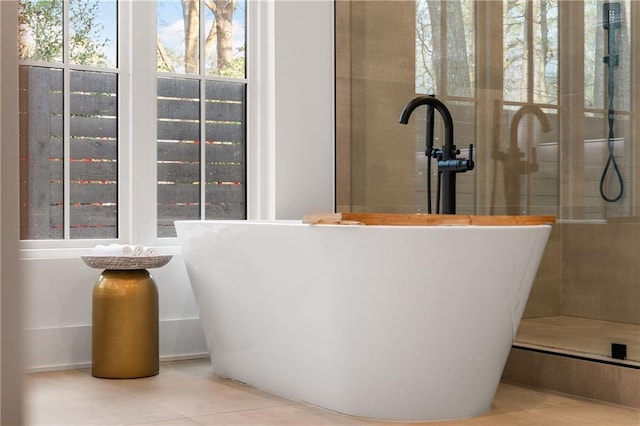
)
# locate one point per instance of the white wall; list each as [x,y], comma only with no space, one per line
[304,84]
[10,294]
[295,175]
[57,319]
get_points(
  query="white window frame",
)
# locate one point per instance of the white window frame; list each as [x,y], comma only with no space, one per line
[290,121]
[137,162]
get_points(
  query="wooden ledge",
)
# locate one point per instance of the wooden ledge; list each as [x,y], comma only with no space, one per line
[423,219]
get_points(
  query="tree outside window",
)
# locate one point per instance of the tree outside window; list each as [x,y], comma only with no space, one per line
[70,125]
[201,104]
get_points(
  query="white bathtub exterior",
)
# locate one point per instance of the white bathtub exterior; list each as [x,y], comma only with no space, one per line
[385,322]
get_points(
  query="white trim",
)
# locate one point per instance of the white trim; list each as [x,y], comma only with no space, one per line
[76,67]
[69,347]
[202,65]
[125,121]
[186,76]
[143,162]
[304,108]
[66,124]
[87,365]
[261,110]
[76,252]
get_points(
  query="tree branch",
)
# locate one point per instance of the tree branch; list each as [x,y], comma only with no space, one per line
[163,56]
[212,35]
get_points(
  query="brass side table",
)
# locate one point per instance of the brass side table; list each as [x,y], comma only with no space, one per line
[124,342]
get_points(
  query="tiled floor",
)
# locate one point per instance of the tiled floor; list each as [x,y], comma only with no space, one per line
[581,336]
[187,393]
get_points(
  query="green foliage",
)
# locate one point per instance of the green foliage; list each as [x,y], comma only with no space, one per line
[86,44]
[40,26]
[235,68]
[41,38]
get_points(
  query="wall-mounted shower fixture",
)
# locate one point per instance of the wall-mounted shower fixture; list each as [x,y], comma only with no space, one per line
[448,164]
[611,21]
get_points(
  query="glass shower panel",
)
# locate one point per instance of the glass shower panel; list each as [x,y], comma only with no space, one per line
[544,46]
[529,160]
[515,51]
[445,51]
[597,69]
[530,46]
[596,305]
[549,104]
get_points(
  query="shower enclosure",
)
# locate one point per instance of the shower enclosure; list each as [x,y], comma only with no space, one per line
[546,92]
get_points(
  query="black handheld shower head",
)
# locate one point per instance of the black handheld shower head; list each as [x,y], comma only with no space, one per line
[611,16]
[611,21]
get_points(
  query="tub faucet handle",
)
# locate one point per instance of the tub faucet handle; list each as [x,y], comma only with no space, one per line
[457,165]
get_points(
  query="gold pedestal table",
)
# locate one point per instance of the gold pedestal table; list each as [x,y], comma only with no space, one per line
[124,342]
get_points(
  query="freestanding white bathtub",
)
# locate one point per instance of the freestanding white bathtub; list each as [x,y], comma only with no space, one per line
[386,322]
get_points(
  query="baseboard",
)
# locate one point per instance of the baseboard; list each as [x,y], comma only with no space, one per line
[63,348]
[609,382]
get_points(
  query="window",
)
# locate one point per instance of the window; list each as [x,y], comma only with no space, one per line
[201,90]
[68,119]
[79,146]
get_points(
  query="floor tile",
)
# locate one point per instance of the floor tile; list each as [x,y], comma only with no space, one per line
[186,393]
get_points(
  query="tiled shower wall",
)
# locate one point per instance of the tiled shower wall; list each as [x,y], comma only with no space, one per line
[590,269]
[374,81]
